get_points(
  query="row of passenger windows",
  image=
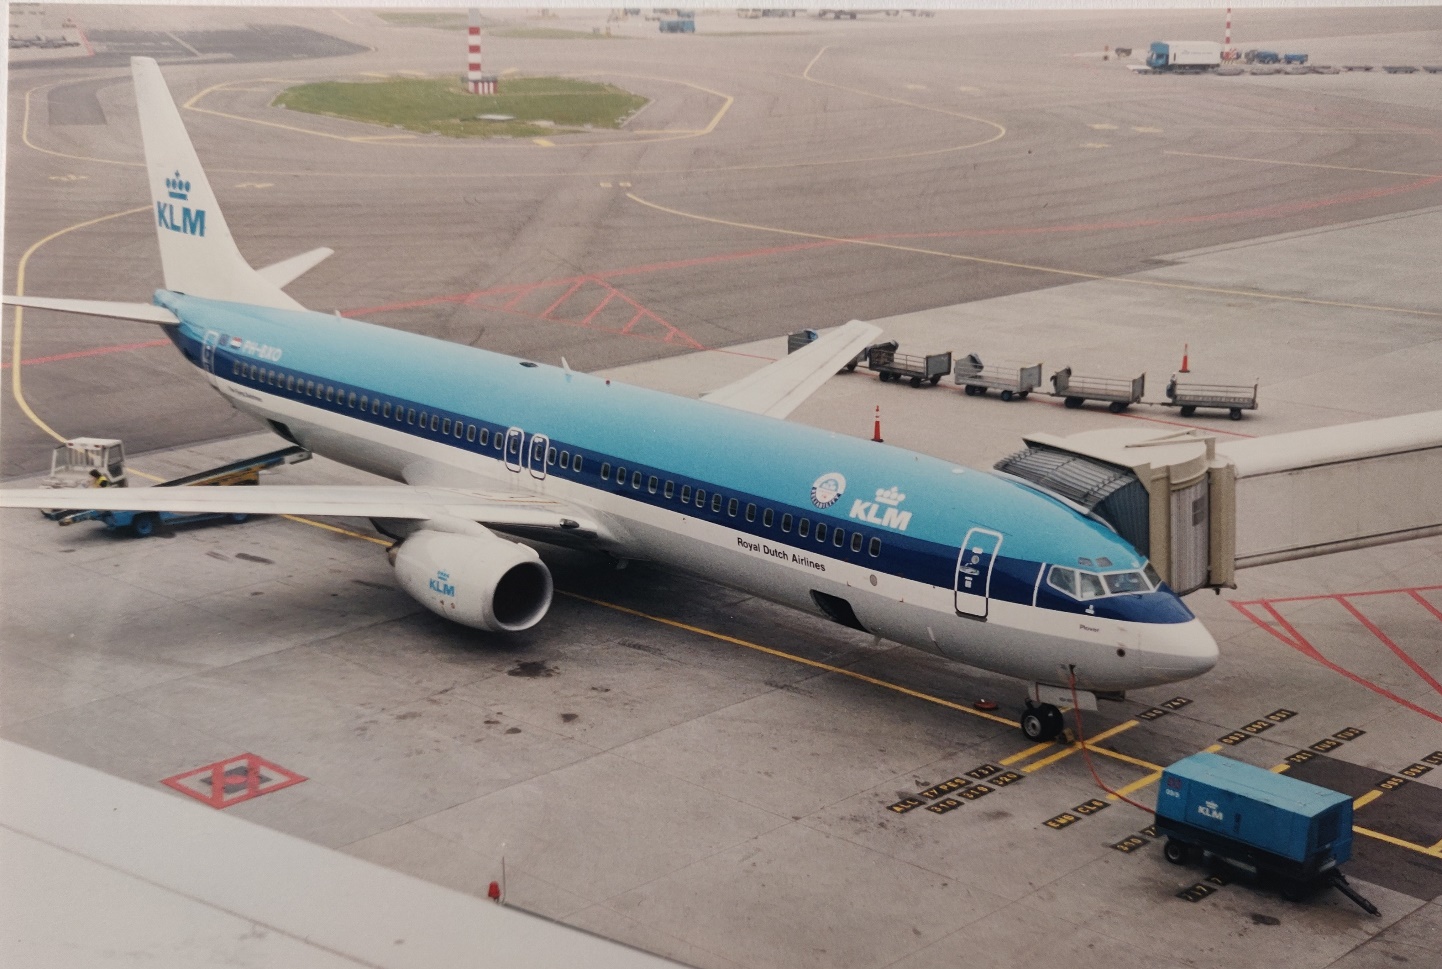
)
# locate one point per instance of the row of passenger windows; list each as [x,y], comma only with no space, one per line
[471,433]
[733,508]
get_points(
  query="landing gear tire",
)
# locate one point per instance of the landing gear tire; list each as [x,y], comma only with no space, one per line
[1072,403]
[1041,722]
[916,381]
[1176,852]
[1116,407]
[1188,410]
[1007,395]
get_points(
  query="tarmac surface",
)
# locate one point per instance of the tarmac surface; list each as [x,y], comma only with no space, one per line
[664,761]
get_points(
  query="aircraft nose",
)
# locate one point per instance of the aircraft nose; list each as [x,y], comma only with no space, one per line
[1181,650]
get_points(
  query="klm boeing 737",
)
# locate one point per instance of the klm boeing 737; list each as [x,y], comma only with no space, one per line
[967,564]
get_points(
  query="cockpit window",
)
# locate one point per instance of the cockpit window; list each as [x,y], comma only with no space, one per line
[1084,585]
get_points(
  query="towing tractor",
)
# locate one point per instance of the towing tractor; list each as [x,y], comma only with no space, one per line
[87,462]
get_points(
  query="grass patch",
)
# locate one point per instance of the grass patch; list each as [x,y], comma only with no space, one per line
[549,33]
[442,106]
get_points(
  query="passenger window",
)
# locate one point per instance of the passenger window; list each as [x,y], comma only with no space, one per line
[376,406]
[485,436]
[803,527]
[700,497]
[821,531]
[350,399]
[874,549]
[410,415]
[750,513]
[310,388]
[459,429]
[731,507]
[621,476]
[290,383]
[670,491]
[856,541]
[1062,579]
[364,402]
[386,410]
[685,494]
[767,517]
[566,460]
[470,432]
[716,503]
[576,464]
[652,483]
[605,471]
[1091,585]
[786,522]
[329,394]
[435,422]
[235,368]
[445,426]
[636,480]
[551,455]
[838,537]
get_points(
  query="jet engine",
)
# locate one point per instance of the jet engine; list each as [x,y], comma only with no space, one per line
[474,577]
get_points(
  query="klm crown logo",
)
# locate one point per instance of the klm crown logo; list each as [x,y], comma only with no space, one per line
[191,221]
[890,496]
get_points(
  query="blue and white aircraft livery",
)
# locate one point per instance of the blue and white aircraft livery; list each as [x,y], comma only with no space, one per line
[486,449]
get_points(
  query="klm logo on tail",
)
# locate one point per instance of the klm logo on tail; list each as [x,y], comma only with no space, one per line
[192,221]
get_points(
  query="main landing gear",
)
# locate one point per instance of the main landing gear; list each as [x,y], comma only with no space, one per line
[1041,721]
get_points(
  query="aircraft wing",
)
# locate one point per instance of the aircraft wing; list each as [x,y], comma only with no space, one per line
[381,501]
[779,388]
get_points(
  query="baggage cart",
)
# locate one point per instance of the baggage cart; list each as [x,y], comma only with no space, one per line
[1230,398]
[795,341]
[142,524]
[891,365]
[1268,825]
[1119,392]
[1013,380]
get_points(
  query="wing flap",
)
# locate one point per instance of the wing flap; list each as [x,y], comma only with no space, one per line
[780,387]
[139,312]
[383,501]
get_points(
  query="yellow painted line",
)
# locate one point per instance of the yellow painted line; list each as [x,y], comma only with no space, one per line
[1072,273]
[544,143]
[1297,164]
[1366,799]
[25,134]
[815,664]
[1281,768]
[1135,786]
[191,105]
[337,529]
[1030,751]
[1073,748]
[1213,749]
[1102,127]
[16,380]
[1433,852]
[1125,758]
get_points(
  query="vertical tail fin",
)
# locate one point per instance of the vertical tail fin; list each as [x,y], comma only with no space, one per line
[196,249]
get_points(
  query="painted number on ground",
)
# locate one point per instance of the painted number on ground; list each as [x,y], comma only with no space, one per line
[985,770]
[901,807]
[945,787]
[941,807]
[1091,807]
[1062,820]
[1322,746]
[1351,733]
[1127,845]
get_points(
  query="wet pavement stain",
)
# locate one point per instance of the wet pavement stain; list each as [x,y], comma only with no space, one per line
[533,669]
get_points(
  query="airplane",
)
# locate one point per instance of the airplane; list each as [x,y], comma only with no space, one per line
[488,449]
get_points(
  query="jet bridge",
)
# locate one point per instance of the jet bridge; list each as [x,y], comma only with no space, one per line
[1201,508]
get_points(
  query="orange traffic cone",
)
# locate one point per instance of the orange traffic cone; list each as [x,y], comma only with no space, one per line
[1185,368]
[876,429]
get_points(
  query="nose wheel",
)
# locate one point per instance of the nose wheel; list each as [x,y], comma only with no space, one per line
[1041,722]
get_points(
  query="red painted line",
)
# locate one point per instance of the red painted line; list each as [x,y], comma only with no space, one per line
[564,296]
[1414,593]
[599,307]
[89,51]
[1300,644]
[1349,595]
[1398,651]
[92,352]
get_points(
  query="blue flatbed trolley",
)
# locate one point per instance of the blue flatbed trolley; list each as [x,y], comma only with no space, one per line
[1266,824]
[144,524]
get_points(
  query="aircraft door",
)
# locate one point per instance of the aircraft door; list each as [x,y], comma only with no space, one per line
[207,351]
[540,445]
[973,572]
[515,445]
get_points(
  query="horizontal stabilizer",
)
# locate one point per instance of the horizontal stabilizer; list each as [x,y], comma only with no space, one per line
[780,387]
[380,501]
[140,312]
[287,271]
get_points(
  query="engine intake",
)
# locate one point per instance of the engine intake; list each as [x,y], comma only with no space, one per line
[477,578]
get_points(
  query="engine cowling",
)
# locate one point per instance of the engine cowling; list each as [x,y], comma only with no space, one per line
[477,579]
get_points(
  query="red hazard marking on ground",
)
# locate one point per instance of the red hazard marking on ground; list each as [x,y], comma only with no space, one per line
[228,782]
[588,301]
[1277,625]
[92,352]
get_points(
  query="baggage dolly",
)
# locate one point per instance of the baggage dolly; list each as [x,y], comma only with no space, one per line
[1119,392]
[890,365]
[1230,398]
[1014,381]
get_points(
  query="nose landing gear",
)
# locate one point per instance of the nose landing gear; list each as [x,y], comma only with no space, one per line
[1041,721]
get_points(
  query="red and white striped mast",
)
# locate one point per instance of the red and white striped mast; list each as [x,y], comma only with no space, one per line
[476,82]
[1227,52]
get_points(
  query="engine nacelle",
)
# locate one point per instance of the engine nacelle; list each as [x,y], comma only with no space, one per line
[477,578]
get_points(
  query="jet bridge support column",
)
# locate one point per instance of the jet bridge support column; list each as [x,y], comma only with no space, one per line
[1201,509]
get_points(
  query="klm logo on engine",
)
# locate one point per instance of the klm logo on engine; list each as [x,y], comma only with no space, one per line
[190,222]
[442,584]
[883,511]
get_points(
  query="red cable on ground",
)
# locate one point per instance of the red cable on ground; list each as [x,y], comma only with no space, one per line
[1086,754]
